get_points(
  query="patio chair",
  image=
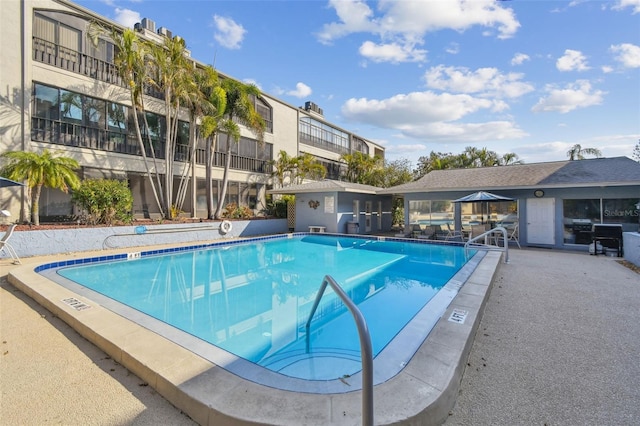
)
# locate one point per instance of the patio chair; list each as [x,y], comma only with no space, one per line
[4,244]
[513,235]
[452,234]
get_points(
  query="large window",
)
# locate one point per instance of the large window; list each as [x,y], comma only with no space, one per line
[316,133]
[441,212]
[580,216]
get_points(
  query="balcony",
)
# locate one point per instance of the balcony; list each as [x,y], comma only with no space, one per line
[75,135]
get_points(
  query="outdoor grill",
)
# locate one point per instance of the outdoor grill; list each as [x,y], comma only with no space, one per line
[609,235]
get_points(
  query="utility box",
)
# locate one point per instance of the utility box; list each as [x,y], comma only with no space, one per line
[353,228]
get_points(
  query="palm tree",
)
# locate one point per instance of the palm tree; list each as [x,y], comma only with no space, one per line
[239,110]
[210,105]
[308,166]
[41,170]
[577,152]
[282,167]
[170,72]
[130,61]
[360,167]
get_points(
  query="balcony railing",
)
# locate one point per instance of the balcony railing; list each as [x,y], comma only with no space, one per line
[61,57]
[71,134]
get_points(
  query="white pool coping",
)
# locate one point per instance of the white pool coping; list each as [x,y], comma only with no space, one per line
[422,392]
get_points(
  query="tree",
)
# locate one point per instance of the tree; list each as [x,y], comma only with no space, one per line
[283,167]
[360,167]
[212,107]
[130,61]
[239,110]
[40,170]
[636,152]
[170,72]
[577,152]
[308,166]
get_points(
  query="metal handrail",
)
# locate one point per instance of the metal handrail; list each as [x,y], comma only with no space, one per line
[366,353]
[485,246]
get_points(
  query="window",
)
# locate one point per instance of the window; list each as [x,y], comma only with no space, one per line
[57,39]
[580,216]
[316,133]
[45,103]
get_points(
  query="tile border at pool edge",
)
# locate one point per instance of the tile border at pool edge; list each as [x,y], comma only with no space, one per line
[211,395]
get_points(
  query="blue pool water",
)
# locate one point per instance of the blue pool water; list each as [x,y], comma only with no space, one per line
[253,299]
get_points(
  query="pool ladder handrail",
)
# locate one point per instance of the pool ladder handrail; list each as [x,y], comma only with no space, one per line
[485,246]
[366,353]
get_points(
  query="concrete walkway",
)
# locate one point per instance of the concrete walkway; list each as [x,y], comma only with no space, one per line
[558,345]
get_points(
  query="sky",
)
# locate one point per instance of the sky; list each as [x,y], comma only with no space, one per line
[529,77]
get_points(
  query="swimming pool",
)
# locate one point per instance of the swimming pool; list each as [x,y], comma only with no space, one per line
[420,391]
[253,299]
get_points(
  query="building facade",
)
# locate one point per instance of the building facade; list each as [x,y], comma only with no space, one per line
[63,93]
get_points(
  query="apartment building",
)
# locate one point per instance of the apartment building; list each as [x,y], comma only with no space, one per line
[62,93]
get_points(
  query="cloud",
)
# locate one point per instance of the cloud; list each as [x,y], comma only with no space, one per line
[483,81]
[430,115]
[519,58]
[573,60]
[627,54]
[228,33]
[126,17]
[402,25]
[573,96]
[301,91]
[623,4]
[453,48]
[392,52]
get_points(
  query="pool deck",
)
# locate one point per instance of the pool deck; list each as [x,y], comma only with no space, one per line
[558,344]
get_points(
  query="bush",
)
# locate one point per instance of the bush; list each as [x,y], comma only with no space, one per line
[104,201]
[234,211]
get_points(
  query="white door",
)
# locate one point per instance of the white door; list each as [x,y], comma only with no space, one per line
[541,221]
[367,216]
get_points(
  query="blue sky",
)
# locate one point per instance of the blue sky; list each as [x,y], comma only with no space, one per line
[530,77]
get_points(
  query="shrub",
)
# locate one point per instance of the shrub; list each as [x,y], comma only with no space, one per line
[234,211]
[104,201]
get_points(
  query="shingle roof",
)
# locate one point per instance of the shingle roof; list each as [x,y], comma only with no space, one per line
[597,171]
[326,186]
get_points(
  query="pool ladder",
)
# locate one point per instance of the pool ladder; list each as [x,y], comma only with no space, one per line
[491,234]
[366,353]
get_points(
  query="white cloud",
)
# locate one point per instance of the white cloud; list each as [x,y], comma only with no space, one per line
[573,60]
[453,48]
[607,69]
[573,96]
[392,52]
[623,4]
[519,58]
[483,81]
[301,91]
[126,17]
[228,33]
[430,115]
[628,54]
[402,25]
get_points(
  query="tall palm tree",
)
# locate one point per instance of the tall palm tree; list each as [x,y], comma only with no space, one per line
[577,152]
[209,105]
[130,61]
[170,73]
[40,170]
[239,110]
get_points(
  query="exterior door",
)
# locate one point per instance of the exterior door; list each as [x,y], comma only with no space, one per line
[541,221]
[367,216]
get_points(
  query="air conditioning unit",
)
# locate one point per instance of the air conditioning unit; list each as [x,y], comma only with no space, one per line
[148,24]
[165,32]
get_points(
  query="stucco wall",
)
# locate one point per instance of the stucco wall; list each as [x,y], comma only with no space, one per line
[46,242]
